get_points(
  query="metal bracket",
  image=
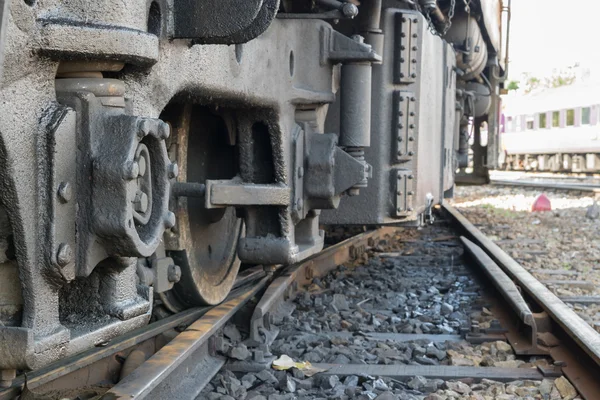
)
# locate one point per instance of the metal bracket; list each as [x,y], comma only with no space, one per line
[406,126]
[407,50]
[222,21]
[404,193]
[339,48]
[224,193]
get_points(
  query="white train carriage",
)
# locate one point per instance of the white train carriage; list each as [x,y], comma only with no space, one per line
[555,130]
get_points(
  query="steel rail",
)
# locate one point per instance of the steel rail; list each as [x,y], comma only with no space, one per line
[542,185]
[580,343]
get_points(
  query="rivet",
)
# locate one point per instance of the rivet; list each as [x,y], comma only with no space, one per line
[401,113]
[411,153]
[414,35]
[409,209]
[400,153]
[415,48]
[414,60]
[401,98]
[400,126]
[402,47]
[411,138]
[399,209]
[399,138]
[403,34]
[399,193]
[65,193]
[410,177]
[402,59]
[412,99]
[403,19]
[64,254]
[412,113]
[401,74]
[173,171]
[415,20]
[413,75]
[411,193]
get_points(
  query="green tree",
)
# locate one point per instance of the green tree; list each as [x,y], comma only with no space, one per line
[512,85]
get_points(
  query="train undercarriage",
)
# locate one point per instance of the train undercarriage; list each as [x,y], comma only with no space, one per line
[149,149]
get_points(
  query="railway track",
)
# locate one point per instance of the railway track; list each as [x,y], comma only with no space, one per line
[389,313]
[549,185]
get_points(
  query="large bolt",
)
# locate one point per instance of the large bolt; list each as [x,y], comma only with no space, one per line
[144,128]
[64,254]
[173,171]
[349,10]
[65,193]
[142,166]
[164,130]
[174,273]
[140,203]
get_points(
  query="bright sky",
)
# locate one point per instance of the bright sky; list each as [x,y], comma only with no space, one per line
[547,34]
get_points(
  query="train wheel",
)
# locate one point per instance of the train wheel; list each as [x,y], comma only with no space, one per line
[206,238]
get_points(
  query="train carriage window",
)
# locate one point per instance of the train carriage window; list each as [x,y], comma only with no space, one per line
[586,112]
[529,123]
[555,119]
[543,121]
[570,117]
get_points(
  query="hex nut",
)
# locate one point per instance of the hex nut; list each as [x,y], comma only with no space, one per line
[174,273]
[173,171]
[169,220]
[65,192]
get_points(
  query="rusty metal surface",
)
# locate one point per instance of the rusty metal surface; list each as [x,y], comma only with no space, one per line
[406,372]
[303,273]
[509,292]
[579,342]
[149,378]
[59,369]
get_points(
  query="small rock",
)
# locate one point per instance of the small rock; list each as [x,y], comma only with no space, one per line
[386,396]
[593,211]
[248,380]
[339,301]
[446,309]
[417,383]
[503,346]
[566,390]
[379,384]
[426,361]
[351,380]
[459,387]
[545,387]
[267,377]
[240,352]
[232,333]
